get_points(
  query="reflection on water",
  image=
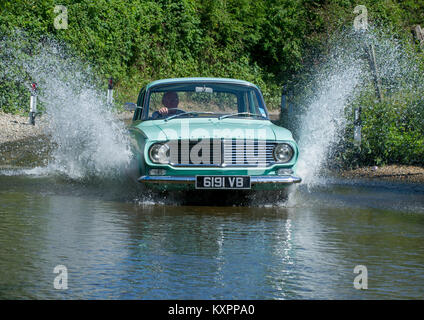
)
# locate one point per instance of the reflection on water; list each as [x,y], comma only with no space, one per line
[115,247]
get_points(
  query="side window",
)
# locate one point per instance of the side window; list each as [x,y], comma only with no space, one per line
[251,104]
[138,111]
[262,109]
[256,106]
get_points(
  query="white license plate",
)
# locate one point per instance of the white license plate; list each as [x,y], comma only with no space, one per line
[222,182]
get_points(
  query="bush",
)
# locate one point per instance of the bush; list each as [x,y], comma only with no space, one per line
[267,42]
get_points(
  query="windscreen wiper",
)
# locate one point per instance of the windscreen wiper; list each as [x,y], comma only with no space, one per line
[186,113]
[240,113]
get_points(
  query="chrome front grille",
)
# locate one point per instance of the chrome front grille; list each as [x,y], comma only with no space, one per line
[202,152]
[221,153]
[255,153]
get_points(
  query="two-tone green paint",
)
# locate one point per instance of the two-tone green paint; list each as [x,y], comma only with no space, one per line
[144,133]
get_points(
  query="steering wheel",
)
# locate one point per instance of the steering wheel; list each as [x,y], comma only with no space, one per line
[171,112]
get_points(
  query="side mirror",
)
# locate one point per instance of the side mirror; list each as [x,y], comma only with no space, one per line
[130,106]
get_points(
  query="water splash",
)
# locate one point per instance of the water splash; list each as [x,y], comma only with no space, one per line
[89,140]
[338,82]
[324,120]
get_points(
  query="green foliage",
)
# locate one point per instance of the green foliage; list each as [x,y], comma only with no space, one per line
[393,132]
[268,42]
[136,41]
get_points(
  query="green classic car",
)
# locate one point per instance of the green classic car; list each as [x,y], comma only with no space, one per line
[209,133]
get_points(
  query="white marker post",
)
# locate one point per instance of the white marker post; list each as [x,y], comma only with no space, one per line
[110,92]
[33,104]
[357,127]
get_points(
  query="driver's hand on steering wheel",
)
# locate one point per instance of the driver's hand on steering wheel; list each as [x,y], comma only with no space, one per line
[163,111]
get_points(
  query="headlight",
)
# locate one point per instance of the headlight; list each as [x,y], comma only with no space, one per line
[159,153]
[284,172]
[283,152]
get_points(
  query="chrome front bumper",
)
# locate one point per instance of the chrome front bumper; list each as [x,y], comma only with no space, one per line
[192,179]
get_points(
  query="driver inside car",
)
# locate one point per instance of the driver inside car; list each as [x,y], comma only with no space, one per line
[170,102]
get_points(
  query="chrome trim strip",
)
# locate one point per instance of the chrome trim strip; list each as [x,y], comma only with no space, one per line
[195,165]
[167,179]
[275,179]
[192,179]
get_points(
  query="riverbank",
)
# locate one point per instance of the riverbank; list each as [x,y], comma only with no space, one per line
[16,127]
[400,173]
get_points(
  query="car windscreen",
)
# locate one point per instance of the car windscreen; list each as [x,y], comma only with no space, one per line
[205,100]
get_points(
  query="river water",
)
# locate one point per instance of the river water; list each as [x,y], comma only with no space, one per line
[116,243]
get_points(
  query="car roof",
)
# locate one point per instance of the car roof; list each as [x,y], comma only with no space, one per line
[200,79]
